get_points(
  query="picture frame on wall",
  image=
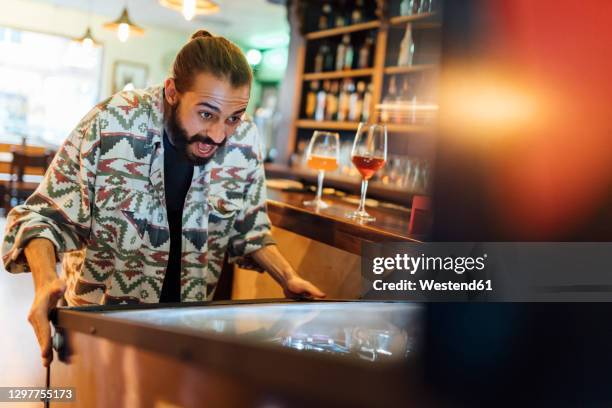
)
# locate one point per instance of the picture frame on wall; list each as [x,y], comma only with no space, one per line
[129,75]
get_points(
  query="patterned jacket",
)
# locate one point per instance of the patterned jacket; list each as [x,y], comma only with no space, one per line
[102,205]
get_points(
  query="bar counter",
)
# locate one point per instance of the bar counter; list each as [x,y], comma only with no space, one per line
[330,225]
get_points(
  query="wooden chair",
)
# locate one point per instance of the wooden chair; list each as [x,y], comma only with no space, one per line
[24,163]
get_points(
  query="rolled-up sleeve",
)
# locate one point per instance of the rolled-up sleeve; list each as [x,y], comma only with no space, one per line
[251,230]
[60,208]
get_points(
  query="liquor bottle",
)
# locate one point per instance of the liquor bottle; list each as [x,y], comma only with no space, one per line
[311,99]
[354,111]
[318,60]
[328,58]
[357,14]
[406,53]
[424,7]
[388,113]
[408,97]
[341,53]
[353,102]
[343,103]
[415,6]
[341,19]
[367,100]
[325,19]
[331,103]
[349,53]
[321,99]
[364,53]
[405,8]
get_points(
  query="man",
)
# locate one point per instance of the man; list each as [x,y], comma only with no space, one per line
[148,194]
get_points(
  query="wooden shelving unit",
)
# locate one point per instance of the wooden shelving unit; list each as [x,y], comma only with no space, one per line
[326,124]
[408,69]
[370,25]
[399,20]
[351,73]
[376,75]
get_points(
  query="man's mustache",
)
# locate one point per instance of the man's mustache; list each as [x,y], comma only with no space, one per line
[205,139]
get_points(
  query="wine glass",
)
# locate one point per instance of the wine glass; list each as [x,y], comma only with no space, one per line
[322,154]
[369,154]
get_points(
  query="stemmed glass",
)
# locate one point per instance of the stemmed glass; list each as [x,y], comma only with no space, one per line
[322,154]
[369,154]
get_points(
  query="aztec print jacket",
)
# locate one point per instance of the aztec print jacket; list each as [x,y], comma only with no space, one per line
[102,205]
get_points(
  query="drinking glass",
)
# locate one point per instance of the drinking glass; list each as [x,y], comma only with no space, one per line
[369,154]
[322,154]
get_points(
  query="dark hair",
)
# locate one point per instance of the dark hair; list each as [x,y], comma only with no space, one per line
[215,55]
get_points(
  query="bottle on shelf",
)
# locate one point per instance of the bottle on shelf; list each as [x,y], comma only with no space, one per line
[364,53]
[321,100]
[311,100]
[341,16]
[388,112]
[367,101]
[409,96]
[349,53]
[425,6]
[406,8]
[319,59]
[328,58]
[357,14]
[344,100]
[355,103]
[341,52]
[325,19]
[406,53]
[331,102]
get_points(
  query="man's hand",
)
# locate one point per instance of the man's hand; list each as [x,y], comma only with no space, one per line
[297,287]
[48,289]
[281,271]
[45,299]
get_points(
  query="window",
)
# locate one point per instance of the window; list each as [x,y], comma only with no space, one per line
[47,83]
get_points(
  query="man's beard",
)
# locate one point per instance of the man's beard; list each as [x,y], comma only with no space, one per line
[181,140]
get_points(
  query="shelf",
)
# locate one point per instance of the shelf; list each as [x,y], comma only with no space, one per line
[342,30]
[409,68]
[326,124]
[398,20]
[314,76]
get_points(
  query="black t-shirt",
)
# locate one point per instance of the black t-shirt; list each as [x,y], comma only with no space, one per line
[178,173]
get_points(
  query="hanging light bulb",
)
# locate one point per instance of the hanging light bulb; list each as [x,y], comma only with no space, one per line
[124,26]
[189,9]
[87,40]
[123,32]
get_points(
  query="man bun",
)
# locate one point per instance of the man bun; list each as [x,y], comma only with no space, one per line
[201,34]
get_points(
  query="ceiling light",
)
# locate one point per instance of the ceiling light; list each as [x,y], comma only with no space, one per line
[253,56]
[87,39]
[191,8]
[124,26]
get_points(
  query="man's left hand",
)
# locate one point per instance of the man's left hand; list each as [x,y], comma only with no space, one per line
[298,288]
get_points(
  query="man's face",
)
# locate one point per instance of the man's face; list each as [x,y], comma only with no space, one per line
[201,119]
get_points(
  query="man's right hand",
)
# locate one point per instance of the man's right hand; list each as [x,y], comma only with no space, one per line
[48,289]
[45,299]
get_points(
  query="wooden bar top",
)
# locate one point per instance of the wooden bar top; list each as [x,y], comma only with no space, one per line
[330,225]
